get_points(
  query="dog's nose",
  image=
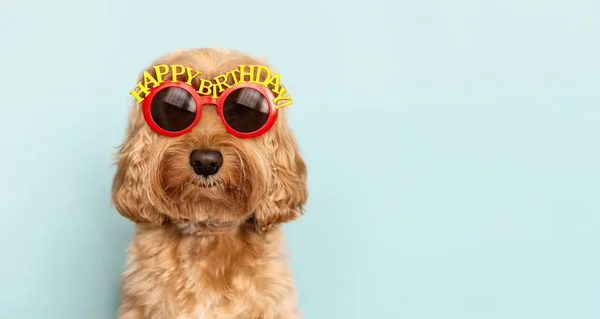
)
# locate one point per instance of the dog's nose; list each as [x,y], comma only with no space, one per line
[206,162]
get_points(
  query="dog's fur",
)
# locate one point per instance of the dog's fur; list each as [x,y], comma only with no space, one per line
[208,248]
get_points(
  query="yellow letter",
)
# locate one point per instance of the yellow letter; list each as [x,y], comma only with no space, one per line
[265,78]
[243,73]
[221,80]
[143,89]
[149,78]
[205,87]
[159,74]
[190,77]
[274,81]
[287,102]
[174,72]
[281,95]
[232,73]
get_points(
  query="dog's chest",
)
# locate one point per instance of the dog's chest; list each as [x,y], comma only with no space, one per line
[200,312]
[187,280]
[199,293]
[208,296]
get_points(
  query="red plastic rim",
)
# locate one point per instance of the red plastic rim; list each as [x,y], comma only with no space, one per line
[201,100]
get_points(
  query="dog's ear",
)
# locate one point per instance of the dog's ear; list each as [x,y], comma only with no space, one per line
[288,190]
[130,186]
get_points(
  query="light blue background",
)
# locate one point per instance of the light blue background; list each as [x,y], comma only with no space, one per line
[454,153]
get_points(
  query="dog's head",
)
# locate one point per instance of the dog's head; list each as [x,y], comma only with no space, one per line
[161,179]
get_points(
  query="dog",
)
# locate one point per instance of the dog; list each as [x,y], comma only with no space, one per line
[207,207]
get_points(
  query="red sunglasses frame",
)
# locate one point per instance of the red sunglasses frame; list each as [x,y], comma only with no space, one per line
[202,100]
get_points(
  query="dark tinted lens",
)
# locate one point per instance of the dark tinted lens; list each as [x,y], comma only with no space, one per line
[246,110]
[173,109]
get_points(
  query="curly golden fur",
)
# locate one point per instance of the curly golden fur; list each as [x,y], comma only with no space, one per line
[208,249]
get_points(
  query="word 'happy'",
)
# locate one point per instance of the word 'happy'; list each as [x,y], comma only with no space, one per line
[244,74]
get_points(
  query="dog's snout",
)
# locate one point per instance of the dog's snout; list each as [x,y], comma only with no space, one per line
[206,162]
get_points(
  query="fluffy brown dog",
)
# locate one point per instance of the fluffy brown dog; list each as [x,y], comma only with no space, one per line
[208,248]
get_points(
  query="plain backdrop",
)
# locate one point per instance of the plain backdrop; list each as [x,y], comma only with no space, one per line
[453,150]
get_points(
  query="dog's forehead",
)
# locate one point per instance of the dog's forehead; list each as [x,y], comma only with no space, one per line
[210,62]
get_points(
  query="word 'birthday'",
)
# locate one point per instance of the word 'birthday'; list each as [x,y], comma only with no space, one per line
[257,74]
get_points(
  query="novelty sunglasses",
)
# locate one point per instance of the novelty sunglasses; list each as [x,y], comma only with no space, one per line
[174,108]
